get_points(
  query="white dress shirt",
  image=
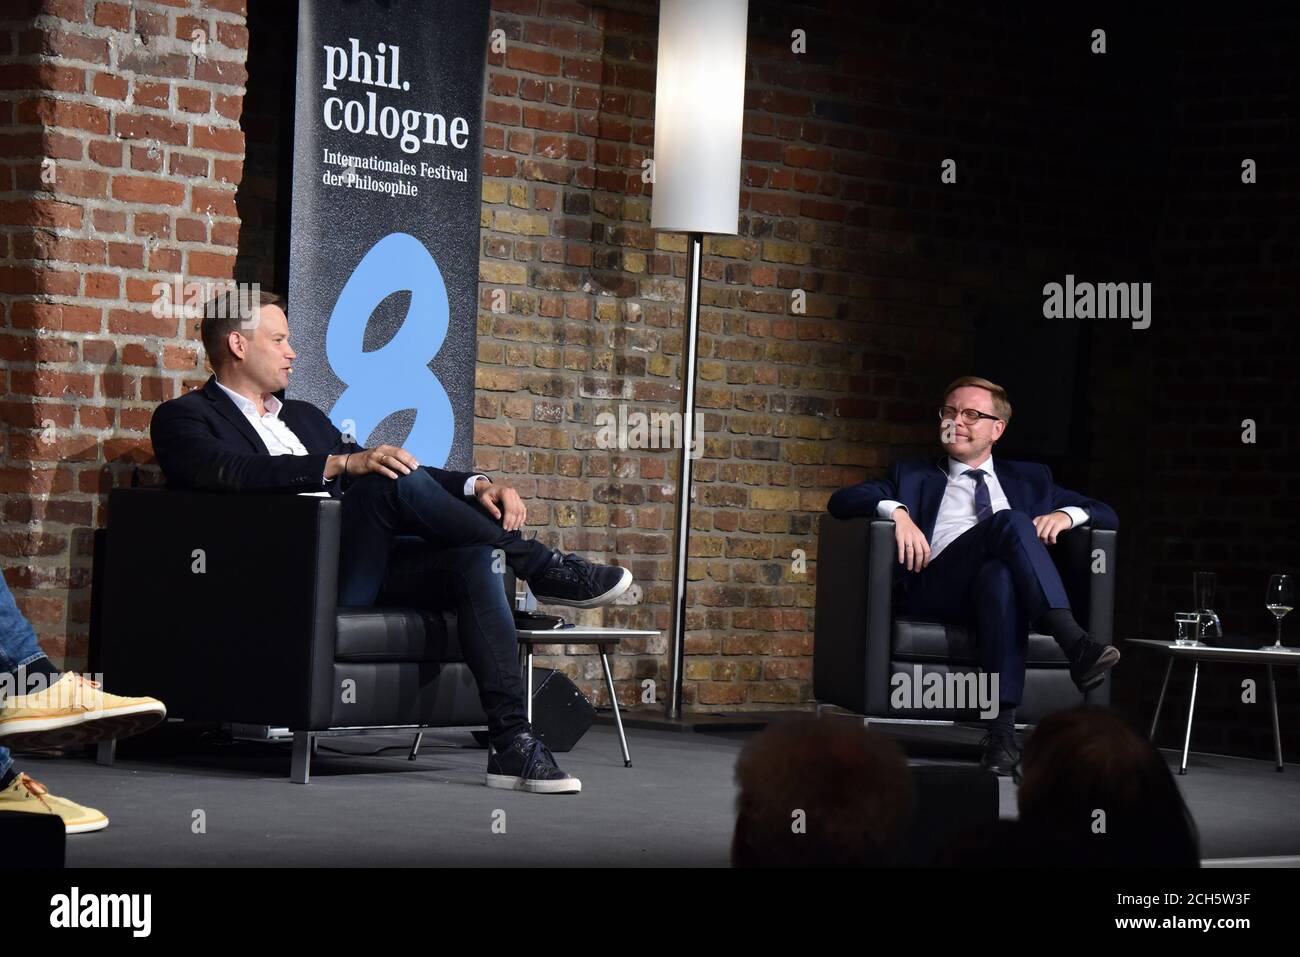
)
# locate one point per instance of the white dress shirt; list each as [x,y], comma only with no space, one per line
[280,439]
[957,509]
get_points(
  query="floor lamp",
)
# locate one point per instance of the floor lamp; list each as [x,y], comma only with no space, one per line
[699,113]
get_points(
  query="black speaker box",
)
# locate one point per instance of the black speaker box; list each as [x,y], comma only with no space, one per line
[954,806]
[37,840]
[561,713]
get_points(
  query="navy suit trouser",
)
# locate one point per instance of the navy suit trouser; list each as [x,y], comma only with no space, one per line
[996,578]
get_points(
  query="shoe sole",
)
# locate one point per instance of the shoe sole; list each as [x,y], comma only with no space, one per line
[623,585]
[509,782]
[1097,673]
[88,728]
[87,827]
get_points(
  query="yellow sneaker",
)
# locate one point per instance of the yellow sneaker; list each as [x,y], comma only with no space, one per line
[74,710]
[25,794]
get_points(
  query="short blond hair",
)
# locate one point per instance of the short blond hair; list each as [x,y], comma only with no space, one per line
[1001,404]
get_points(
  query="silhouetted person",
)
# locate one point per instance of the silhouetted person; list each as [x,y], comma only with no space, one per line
[820,792]
[1086,769]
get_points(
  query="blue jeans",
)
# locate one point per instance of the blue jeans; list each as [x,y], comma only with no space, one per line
[18,647]
[456,572]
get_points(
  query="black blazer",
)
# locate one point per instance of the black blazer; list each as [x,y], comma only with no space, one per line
[204,443]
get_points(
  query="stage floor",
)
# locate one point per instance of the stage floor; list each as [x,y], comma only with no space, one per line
[368,805]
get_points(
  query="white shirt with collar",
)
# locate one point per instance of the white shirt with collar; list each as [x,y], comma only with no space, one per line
[957,509]
[279,439]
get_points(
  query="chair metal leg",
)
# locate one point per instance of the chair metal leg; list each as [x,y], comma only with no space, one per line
[1277,735]
[528,671]
[817,709]
[613,700]
[1160,702]
[300,764]
[106,752]
[415,746]
[1191,708]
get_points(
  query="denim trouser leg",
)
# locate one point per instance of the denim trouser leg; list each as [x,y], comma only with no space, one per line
[376,508]
[464,580]
[18,644]
[18,647]
[462,577]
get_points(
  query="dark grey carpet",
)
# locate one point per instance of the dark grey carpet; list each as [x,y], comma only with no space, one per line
[674,807]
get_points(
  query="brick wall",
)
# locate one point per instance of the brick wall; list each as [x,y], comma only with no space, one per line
[120,159]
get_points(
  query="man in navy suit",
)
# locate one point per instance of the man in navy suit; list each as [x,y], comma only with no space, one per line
[972,537]
[238,434]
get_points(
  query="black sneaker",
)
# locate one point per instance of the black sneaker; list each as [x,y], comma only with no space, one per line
[571,580]
[1001,755]
[527,765]
[1089,662]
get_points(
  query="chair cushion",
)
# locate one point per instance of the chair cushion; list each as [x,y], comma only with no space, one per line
[391,633]
[915,639]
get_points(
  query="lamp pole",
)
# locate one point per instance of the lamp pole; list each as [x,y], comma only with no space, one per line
[699,124]
[685,490]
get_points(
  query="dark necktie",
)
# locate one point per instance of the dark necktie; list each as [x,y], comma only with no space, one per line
[983,504]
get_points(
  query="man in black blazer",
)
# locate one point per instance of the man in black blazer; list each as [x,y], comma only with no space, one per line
[238,434]
[972,537]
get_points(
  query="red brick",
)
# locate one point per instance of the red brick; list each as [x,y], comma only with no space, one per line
[144,126]
[40,212]
[142,189]
[111,87]
[222,139]
[193,100]
[114,15]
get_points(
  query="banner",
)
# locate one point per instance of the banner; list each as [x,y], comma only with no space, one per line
[383,260]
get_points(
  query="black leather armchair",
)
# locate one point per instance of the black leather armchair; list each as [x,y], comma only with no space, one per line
[859,643]
[225,607]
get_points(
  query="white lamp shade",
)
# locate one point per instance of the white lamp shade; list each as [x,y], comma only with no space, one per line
[699,112]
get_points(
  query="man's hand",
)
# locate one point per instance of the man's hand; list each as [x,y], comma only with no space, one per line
[913,549]
[1050,525]
[503,503]
[385,459]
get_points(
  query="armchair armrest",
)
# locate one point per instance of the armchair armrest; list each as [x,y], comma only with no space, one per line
[851,643]
[1085,558]
[222,605]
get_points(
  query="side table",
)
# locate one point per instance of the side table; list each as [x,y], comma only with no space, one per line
[1207,654]
[602,638]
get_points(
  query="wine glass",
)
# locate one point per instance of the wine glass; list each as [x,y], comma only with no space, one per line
[1280,599]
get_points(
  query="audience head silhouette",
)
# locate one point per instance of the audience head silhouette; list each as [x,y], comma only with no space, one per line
[820,792]
[1095,792]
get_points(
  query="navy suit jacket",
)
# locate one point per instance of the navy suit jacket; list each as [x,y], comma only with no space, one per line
[204,443]
[920,483]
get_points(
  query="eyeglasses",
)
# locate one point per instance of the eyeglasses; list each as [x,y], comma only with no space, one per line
[969,416]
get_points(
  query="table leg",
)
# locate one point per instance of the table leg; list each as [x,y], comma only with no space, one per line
[1160,702]
[1191,708]
[1277,736]
[613,700]
[528,670]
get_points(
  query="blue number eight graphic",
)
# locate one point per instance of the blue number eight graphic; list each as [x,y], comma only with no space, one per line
[396,376]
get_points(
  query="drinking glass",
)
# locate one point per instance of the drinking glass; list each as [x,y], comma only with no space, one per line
[1187,625]
[1280,599]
